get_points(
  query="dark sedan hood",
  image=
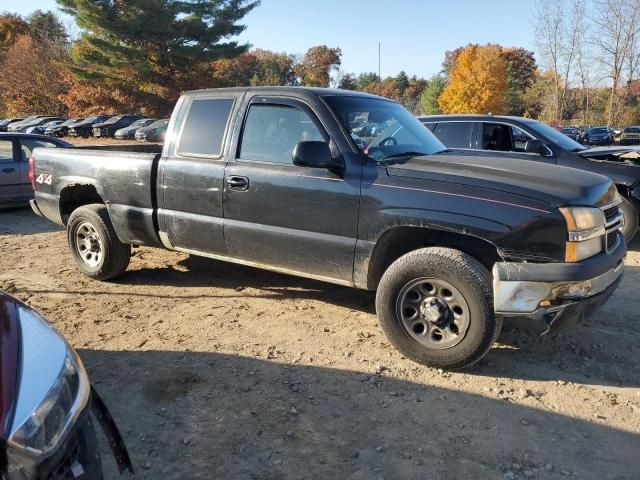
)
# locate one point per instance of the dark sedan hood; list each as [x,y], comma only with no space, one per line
[552,184]
[626,155]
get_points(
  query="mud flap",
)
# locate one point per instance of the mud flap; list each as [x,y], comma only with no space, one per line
[116,442]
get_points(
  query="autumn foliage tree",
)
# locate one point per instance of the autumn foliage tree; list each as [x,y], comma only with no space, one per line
[30,80]
[317,65]
[478,82]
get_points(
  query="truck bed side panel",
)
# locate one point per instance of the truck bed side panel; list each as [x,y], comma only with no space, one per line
[124,181]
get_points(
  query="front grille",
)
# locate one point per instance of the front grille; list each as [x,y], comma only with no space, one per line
[610,213]
[612,239]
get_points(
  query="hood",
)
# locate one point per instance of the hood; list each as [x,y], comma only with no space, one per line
[552,184]
[9,360]
[618,155]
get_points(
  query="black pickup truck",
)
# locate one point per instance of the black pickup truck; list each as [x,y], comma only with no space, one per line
[527,139]
[276,178]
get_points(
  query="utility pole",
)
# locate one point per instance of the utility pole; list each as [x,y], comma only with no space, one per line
[379,75]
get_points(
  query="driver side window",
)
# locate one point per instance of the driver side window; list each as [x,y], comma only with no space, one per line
[503,138]
[272,131]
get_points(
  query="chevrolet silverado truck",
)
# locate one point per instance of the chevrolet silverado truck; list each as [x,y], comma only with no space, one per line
[527,139]
[276,178]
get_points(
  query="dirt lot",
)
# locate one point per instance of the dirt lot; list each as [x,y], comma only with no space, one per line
[219,371]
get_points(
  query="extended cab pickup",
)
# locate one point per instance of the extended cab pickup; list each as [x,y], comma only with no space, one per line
[276,178]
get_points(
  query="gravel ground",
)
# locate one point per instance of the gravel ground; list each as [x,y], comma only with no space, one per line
[214,370]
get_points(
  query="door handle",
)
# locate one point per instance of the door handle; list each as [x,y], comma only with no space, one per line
[8,170]
[238,183]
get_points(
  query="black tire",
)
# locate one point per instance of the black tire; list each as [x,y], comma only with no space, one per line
[630,219]
[91,224]
[464,273]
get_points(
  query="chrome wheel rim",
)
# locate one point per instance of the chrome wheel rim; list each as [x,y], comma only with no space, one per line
[433,312]
[88,244]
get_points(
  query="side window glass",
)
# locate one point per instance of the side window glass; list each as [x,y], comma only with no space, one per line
[455,134]
[204,127]
[27,147]
[520,138]
[272,131]
[497,137]
[6,151]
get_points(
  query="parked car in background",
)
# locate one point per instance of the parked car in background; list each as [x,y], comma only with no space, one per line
[27,122]
[527,139]
[84,128]
[598,136]
[35,123]
[109,128]
[40,129]
[270,177]
[62,129]
[4,124]
[129,133]
[630,136]
[46,430]
[570,132]
[154,132]
[15,151]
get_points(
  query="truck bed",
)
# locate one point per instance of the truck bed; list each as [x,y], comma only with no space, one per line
[124,180]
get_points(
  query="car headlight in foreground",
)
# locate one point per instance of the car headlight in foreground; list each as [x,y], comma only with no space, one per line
[53,387]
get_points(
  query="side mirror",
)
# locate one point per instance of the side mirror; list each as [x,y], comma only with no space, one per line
[312,154]
[535,146]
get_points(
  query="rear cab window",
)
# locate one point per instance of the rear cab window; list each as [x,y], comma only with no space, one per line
[204,128]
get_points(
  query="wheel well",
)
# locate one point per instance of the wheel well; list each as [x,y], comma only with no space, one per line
[625,191]
[76,196]
[401,240]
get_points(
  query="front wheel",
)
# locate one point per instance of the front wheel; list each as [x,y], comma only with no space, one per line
[630,216]
[94,245]
[435,306]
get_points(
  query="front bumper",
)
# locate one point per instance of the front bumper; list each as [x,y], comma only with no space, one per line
[557,295]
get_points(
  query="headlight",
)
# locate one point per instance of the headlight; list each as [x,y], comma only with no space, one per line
[585,230]
[53,388]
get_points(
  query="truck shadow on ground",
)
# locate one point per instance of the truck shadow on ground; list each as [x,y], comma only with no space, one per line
[209,415]
[601,350]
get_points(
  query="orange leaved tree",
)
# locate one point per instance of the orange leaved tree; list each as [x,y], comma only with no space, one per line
[478,82]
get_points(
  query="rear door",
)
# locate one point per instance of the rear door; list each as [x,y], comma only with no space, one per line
[455,134]
[10,181]
[191,174]
[299,219]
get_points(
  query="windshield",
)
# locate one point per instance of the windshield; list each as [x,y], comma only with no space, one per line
[554,136]
[139,123]
[383,129]
[632,130]
[568,130]
[113,120]
[599,130]
[159,123]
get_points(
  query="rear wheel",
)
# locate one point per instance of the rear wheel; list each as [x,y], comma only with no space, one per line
[94,245]
[435,306]
[630,215]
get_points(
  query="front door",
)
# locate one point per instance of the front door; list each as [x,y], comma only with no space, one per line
[298,219]
[10,181]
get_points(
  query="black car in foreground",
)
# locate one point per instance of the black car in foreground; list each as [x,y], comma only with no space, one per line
[84,128]
[274,178]
[46,430]
[109,127]
[526,139]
